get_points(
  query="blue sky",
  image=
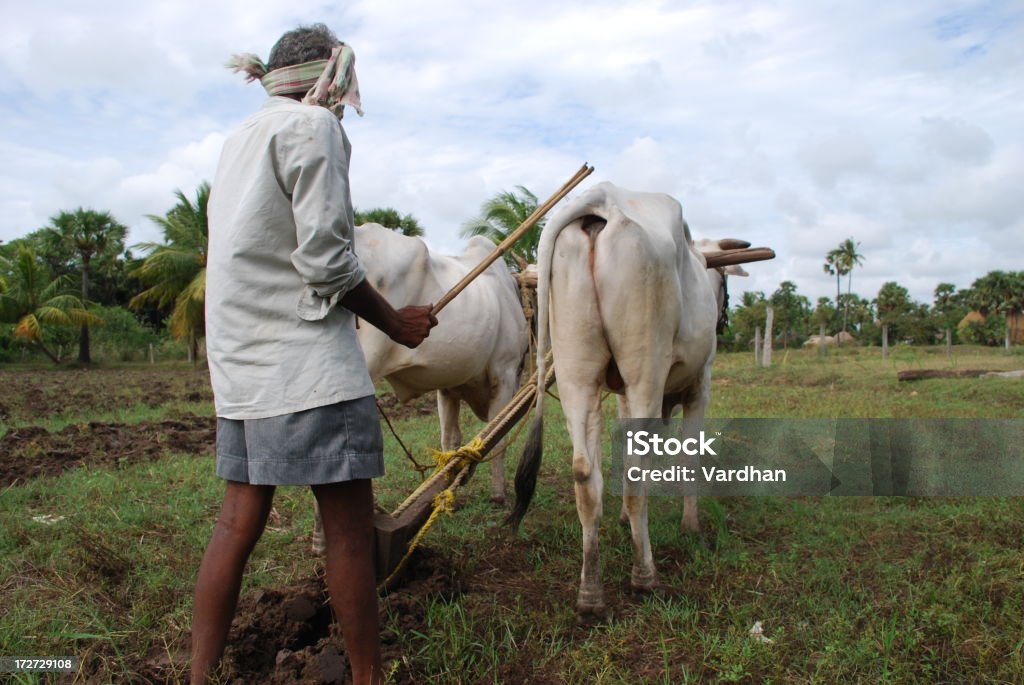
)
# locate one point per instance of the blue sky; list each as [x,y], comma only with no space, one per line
[790,124]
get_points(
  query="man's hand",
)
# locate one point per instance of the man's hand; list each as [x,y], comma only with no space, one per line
[412,325]
[406,326]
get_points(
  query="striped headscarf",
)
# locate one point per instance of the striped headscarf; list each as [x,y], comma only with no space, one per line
[330,83]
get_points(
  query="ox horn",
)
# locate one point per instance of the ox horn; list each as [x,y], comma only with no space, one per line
[733,244]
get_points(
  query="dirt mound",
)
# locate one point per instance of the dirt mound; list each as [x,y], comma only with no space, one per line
[32,451]
[286,635]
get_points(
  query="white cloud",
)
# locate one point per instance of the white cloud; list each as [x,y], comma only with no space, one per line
[957,140]
[834,156]
[791,124]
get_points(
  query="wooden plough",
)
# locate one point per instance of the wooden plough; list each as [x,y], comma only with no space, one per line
[397,533]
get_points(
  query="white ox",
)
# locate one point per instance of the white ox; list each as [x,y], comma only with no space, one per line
[474,353]
[633,310]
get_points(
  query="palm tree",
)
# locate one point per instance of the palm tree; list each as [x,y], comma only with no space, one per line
[34,302]
[850,259]
[86,234]
[833,267]
[390,218]
[175,271]
[841,262]
[1000,292]
[503,214]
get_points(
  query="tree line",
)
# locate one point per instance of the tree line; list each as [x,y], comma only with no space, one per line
[980,314]
[74,283]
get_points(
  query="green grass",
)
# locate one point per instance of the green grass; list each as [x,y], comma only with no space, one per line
[854,590]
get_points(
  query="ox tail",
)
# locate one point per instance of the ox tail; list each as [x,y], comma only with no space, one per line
[590,203]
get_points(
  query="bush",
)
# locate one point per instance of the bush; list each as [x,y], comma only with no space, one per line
[991,331]
[121,336]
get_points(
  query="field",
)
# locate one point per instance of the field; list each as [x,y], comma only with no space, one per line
[108,497]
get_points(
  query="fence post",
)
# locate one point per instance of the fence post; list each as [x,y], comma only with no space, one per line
[757,346]
[766,355]
[152,359]
[821,341]
[885,341]
[949,342]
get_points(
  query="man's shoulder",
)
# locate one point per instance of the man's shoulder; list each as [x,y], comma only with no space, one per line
[291,112]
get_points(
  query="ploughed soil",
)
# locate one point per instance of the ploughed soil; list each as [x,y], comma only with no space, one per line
[424,405]
[31,395]
[31,451]
[287,636]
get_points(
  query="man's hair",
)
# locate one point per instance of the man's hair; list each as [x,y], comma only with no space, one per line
[301,45]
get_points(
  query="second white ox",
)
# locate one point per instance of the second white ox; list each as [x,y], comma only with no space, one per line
[632,308]
[474,353]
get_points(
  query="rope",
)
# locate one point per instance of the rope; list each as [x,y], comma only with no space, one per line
[462,460]
[472,451]
[421,468]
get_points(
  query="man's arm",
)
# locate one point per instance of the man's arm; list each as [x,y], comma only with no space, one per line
[406,326]
[315,168]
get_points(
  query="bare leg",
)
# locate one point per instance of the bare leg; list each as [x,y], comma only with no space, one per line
[240,525]
[347,510]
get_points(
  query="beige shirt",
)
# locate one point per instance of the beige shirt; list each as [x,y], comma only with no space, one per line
[280,257]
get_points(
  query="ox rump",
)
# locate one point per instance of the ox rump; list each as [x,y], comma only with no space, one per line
[626,301]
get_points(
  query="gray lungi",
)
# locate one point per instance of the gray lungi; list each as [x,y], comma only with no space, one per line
[328,444]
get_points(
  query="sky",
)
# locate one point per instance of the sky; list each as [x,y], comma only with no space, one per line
[790,124]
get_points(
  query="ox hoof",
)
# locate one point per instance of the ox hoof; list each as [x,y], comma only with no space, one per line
[643,583]
[690,527]
[590,608]
[499,500]
[319,548]
[590,616]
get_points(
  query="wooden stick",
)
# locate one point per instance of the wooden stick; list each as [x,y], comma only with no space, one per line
[515,235]
[730,257]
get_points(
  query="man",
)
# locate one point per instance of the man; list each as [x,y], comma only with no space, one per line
[294,400]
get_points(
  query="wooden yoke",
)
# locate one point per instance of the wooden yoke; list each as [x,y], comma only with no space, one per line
[738,256]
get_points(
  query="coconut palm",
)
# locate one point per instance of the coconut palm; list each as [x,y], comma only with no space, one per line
[503,214]
[848,258]
[35,302]
[82,235]
[390,218]
[833,267]
[175,270]
[841,262]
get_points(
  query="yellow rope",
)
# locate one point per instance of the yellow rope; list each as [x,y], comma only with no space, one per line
[444,502]
[472,451]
